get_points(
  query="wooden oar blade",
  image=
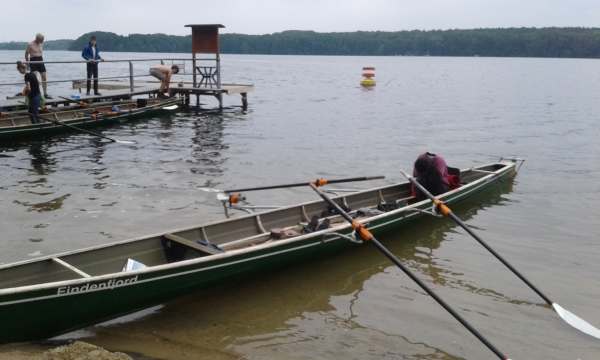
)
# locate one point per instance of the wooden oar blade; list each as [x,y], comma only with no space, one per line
[576,322]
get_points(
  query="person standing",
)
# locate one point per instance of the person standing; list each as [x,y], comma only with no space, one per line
[164,73]
[34,53]
[92,55]
[32,91]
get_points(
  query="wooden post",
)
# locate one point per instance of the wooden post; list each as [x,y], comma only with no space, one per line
[194,68]
[131,85]
[244,101]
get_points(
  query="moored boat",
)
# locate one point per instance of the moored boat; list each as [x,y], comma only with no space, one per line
[17,125]
[60,293]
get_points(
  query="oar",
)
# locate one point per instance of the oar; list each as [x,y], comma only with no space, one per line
[567,316]
[318,182]
[79,101]
[82,130]
[367,236]
[235,198]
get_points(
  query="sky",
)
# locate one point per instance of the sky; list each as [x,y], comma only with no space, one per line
[69,19]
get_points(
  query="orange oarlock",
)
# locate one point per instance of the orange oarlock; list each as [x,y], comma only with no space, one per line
[319,182]
[45,108]
[236,198]
[362,230]
[443,208]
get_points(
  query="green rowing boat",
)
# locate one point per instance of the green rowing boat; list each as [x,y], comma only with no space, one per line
[56,294]
[17,125]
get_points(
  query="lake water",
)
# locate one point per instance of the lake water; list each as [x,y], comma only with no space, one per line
[307,118]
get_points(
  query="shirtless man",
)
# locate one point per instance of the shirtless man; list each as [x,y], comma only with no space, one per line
[34,49]
[164,73]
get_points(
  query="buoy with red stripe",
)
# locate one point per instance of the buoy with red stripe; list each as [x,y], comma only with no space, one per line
[368,74]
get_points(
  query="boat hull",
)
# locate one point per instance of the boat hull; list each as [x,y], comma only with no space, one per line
[42,311]
[25,130]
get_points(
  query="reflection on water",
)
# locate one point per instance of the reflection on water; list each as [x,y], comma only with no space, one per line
[208,144]
[41,161]
[46,206]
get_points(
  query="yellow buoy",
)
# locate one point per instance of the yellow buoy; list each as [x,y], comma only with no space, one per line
[368,74]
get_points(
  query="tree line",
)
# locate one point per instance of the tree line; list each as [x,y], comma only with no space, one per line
[513,42]
[62,44]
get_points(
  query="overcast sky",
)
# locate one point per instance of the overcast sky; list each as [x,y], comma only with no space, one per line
[69,19]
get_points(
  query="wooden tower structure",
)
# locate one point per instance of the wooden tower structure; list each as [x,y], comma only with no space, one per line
[205,40]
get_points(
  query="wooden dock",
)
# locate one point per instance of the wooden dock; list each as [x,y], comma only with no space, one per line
[120,89]
[186,89]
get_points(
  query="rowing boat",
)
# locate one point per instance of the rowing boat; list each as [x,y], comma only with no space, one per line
[56,294]
[17,125]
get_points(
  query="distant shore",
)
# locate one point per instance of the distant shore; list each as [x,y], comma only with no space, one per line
[572,42]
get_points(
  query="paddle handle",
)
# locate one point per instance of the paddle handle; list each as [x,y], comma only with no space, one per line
[369,237]
[438,299]
[73,127]
[364,178]
[499,257]
[444,208]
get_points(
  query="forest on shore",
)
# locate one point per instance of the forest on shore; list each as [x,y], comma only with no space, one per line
[62,44]
[512,42]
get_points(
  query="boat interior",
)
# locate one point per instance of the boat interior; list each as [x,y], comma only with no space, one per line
[217,237]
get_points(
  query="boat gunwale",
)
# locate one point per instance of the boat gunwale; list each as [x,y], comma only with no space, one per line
[237,252]
[95,105]
[23,129]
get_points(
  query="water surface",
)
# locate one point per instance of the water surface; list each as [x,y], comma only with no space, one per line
[310,118]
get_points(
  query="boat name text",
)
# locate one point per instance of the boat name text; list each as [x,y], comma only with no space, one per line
[89,287]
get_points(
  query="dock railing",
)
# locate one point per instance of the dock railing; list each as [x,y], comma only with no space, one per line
[131,75]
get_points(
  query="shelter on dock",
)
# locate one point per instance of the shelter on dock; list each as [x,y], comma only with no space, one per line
[205,40]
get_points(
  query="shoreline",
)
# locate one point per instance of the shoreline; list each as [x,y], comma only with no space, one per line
[63,351]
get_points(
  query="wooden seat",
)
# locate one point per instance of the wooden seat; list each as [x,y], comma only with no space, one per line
[70,267]
[191,244]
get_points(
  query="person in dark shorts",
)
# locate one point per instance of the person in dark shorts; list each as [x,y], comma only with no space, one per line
[32,91]
[92,55]
[34,53]
[164,73]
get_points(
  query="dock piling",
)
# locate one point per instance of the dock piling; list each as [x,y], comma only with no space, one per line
[131,85]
